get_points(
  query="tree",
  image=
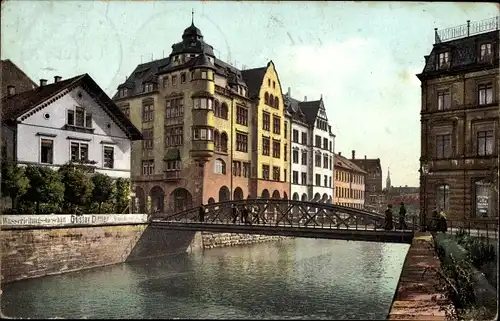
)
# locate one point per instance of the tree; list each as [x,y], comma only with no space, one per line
[14,182]
[45,186]
[103,188]
[122,195]
[78,185]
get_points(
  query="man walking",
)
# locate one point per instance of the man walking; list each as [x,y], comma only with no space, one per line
[388,226]
[402,214]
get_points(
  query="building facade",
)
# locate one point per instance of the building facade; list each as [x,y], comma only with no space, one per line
[375,198]
[459,123]
[349,183]
[312,151]
[68,120]
[211,132]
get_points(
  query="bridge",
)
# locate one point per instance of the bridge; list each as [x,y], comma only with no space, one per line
[284,217]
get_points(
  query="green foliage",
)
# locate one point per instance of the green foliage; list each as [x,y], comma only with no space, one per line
[104,189]
[45,186]
[479,252]
[78,186]
[122,195]
[14,181]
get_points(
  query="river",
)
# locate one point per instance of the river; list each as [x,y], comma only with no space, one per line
[291,279]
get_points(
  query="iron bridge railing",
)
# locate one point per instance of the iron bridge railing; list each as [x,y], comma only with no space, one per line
[285,213]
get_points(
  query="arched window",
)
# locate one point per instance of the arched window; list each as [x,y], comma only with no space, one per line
[443,197]
[217,140]
[276,102]
[266,98]
[223,142]
[223,111]
[271,100]
[486,203]
[219,167]
[216,108]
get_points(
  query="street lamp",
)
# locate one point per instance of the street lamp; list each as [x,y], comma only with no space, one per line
[424,170]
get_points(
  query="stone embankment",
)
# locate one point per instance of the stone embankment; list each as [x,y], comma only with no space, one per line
[214,240]
[417,296]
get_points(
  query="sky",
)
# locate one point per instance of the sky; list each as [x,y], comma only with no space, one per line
[361,57]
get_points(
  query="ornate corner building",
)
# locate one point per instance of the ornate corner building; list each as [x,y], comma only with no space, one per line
[211,132]
[459,122]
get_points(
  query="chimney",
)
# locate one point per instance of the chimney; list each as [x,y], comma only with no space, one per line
[11,90]
[289,93]
[365,156]
[43,82]
[57,79]
[321,97]
[353,154]
[340,153]
[305,98]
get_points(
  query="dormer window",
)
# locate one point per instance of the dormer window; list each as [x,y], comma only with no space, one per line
[485,52]
[176,58]
[443,60]
[122,92]
[79,117]
[147,87]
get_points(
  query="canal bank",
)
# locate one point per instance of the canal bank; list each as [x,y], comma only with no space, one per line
[39,245]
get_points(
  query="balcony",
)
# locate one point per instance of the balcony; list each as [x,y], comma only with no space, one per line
[466,30]
[222,91]
[172,175]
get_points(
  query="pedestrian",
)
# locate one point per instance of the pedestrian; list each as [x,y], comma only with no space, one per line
[245,215]
[201,213]
[388,226]
[234,210]
[443,225]
[402,214]
[434,223]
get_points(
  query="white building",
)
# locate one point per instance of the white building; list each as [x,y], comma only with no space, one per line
[312,150]
[67,120]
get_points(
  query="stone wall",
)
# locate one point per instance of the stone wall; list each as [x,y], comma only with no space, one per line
[212,240]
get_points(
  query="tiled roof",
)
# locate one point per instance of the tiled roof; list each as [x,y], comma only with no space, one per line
[342,162]
[463,52]
[12,75]
[19,104]
[310,109]
[369,165]
[253,78]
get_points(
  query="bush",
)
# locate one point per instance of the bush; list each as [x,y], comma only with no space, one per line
[45,187]
[78,186]
[479,252]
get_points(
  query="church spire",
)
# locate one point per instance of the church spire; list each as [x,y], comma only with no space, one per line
[388,179]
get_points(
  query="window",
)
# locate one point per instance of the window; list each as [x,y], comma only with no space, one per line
[266,98]
[304,158]
[241,142]
[325,180]
[174,108]
[220,142]
[486,202]
[317,141]
[192,75]
[265,146]
[286,129]
[268,82]
[241,116]
[485,52]
[147,87]
[246,169]
[276,103]
[317,161]
[183,78]
[318,180]
[236,168]
[274,84]
[444,102]
[204,74]
[485,143]
[331,146]
[122,92]
[220,167]
[79,151]
[276,173]
[220,110]
[285,151]
[443,146]
[443,197]
[148,135]
[174,80]
[485,94]
[303,177]
[109,157]
[165,82]
[295,177]
[147,112]
[203,103]
[79,117]
[125,110]
[330,161]
[171,165]
[304,138]
[148,167]
[325,143]
[203,133]
[266,121]
[295,156]
[46,151]
[174,136]
[443,60]
[325,161]
[276,149]
[265,171]
[295,136]
[276,125]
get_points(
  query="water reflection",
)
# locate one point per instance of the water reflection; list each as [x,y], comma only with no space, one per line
[293,279]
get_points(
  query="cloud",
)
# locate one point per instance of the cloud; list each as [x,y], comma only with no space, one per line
[372,100]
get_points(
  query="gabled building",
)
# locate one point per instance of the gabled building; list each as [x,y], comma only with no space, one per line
[13,79]
[211,132]
[312,150]
[460,122]
[349,183]
[375,198]
[68,120]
